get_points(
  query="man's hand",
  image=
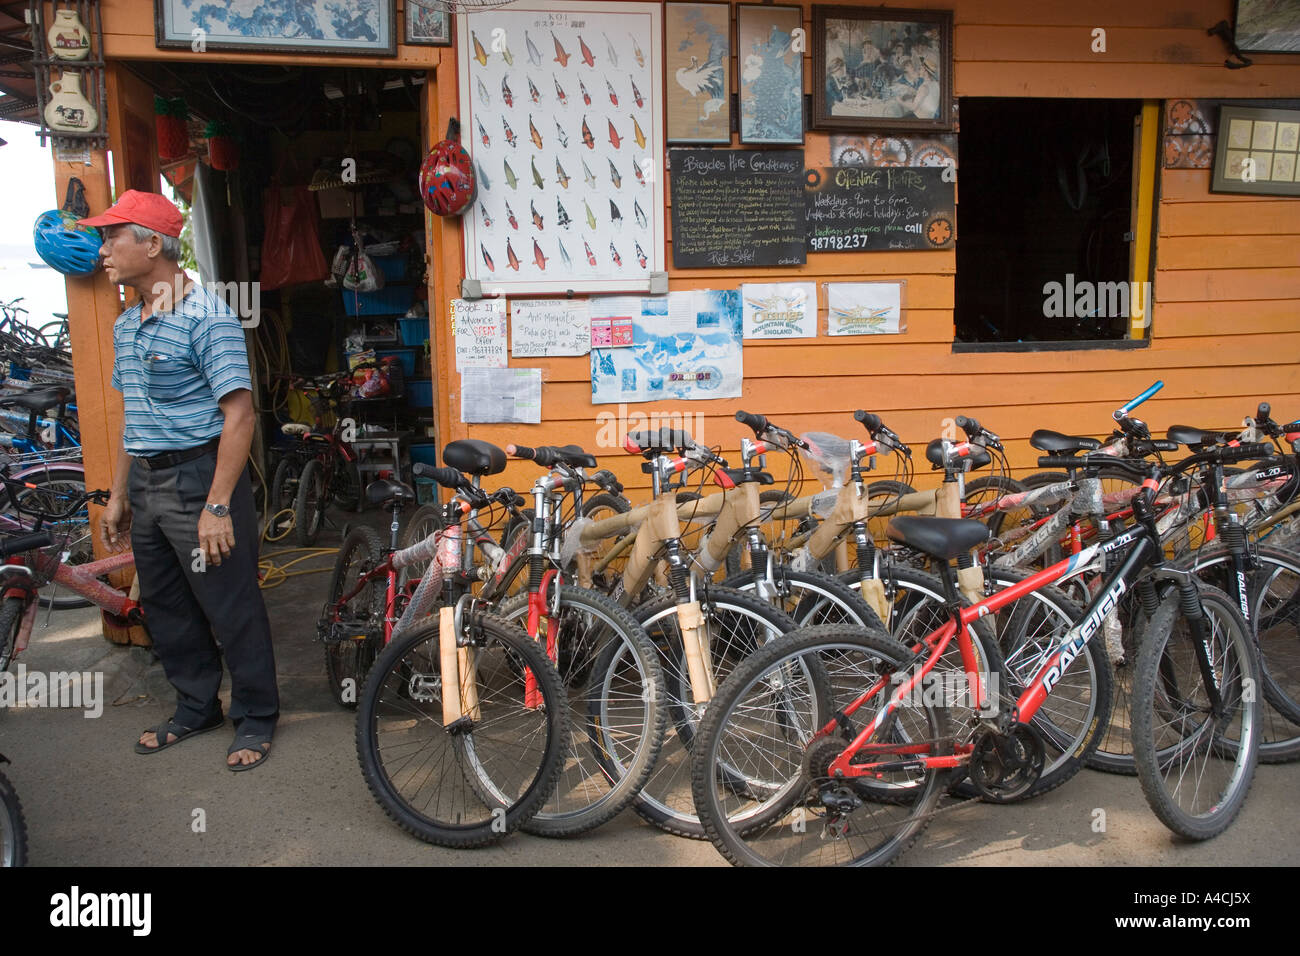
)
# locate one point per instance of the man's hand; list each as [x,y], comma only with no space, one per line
[115,523]
[216,536]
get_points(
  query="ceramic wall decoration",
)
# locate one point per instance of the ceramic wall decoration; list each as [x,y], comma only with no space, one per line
[68,36]
[68,110]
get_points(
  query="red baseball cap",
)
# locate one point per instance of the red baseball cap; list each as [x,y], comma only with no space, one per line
[146,209]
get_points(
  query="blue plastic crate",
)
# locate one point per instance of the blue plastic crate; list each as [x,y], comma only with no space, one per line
[419,393]
[390,300]
[425,453]
[415,332]
[393,267]
[405,357]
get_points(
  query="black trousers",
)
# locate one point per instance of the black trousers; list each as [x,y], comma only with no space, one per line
[196,610]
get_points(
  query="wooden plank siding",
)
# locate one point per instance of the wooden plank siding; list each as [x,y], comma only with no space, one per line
[1226,319]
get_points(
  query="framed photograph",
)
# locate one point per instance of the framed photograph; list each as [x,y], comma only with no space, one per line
[1258,152]
[882,68]
[427,26]
[1267,26]
[357,28]
[770,62]
[697,63]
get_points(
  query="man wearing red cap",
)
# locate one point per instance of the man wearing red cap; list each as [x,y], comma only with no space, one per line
[182,488]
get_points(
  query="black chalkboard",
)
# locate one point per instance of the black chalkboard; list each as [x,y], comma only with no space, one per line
[737,207]
[859,209]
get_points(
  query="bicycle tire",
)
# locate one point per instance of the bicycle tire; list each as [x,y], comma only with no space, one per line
[11,619]
[283,494]
[738,624]
[534,740]
[309,509]
[13,828]
[346,487]
[606,505]
[779,832]
[612,757]
[351,660]
[811,597]
[73,534]
[1171,732]
[991,487]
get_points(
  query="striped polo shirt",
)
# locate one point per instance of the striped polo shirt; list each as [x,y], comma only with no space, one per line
[173,369]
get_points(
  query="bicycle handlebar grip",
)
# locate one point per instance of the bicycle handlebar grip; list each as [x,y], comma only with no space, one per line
[447,477]
[25,542]
[869,421]
[1059,461]
[1123,410]
[969,425]
[756,422]
[1262,413]
[521,451]
[1248,450]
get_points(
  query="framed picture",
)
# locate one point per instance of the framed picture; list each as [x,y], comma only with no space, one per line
[427,26]
[769,56]
[697,63]
[882,68]
[357,28]
[1267,26]
[1258,152]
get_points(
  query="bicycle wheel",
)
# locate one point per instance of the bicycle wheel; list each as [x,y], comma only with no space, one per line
[809,597]
[615,687]
[798,815]
[283,496]
[989,488]
[736,624]
[11,620]
[1073,718]
[470,783]
[353,641]
[1196,768]
[309,509]
[13,829]
[53,487]
[346,487]
[597,508]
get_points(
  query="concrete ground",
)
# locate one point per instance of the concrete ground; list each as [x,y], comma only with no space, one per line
[90,800]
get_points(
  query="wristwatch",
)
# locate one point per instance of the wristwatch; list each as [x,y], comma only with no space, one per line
[221,511]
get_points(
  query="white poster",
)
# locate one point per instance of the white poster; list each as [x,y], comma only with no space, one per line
[780,310]
[864,308]
[545,327]
[479,326]
[560,109]
[490,395]
[686,345]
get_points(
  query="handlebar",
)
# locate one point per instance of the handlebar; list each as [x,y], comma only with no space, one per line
[974,430]
[756,422]
[876,428]
[548,456]
[25,542]
[1225,455]
[1123,410]
[760,425]
[447,477]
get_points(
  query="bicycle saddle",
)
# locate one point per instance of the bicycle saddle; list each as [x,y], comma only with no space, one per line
[737,475]
[40,400]
[383,491]
[474,456]
[1055,443]
[1193,437]
[295,428]
[978,457]
[942,538]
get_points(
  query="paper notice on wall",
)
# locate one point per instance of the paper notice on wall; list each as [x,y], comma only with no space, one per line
[490,395]
[613,318]
[864,308]
[544,327]
[480,329]
[780,310]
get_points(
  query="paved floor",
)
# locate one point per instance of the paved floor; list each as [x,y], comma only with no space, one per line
[90,800]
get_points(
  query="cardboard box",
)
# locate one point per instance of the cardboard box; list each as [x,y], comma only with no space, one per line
[339,204]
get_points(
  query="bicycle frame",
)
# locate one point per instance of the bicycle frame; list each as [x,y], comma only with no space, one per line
[81,579]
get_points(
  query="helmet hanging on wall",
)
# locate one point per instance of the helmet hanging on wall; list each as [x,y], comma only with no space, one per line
[63,245]
[447,181]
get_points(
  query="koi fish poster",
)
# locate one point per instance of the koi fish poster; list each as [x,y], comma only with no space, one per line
[560,109]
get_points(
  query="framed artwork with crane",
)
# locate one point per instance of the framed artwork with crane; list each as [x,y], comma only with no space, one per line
[697,68]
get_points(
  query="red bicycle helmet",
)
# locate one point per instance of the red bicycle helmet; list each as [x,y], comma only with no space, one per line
[447,181]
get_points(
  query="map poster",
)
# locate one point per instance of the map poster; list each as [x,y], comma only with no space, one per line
[686,346]
[780,310]
[479,326]
[864,308]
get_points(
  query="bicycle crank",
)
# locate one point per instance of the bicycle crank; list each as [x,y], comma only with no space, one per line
[1004,767]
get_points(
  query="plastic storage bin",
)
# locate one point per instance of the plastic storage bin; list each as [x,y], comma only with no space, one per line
[404,356]
[419,393]
[414,331]
[390,300]
[393,267]
[424,453]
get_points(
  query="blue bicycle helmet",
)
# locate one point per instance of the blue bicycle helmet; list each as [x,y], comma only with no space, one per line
[71,249]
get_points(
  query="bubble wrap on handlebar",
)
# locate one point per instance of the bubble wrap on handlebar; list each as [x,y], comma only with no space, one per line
[430,586]
[1087,500]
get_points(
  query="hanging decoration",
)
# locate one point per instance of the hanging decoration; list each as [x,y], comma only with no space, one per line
[173,134]
[68,37]
[223,151]
[68,109]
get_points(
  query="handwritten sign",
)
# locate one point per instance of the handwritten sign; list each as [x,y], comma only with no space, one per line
[734,207]
[480,329]
[857,209]
[543,327]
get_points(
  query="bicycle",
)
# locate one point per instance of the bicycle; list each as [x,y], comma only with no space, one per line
[321,468]
[1192,706]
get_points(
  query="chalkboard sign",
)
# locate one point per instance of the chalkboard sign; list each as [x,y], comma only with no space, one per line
[858,209]
[734,207]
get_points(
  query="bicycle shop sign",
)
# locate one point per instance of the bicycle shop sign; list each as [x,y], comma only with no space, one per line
[244,298]
[1086,299]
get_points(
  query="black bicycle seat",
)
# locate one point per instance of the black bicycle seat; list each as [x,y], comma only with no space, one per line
[385,490]
[474,456]
[1057,444]
[942,538]
[652,443]
[40,400]
[1195,437]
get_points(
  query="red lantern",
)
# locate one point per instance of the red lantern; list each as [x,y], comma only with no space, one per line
[223,151]
[173,135]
